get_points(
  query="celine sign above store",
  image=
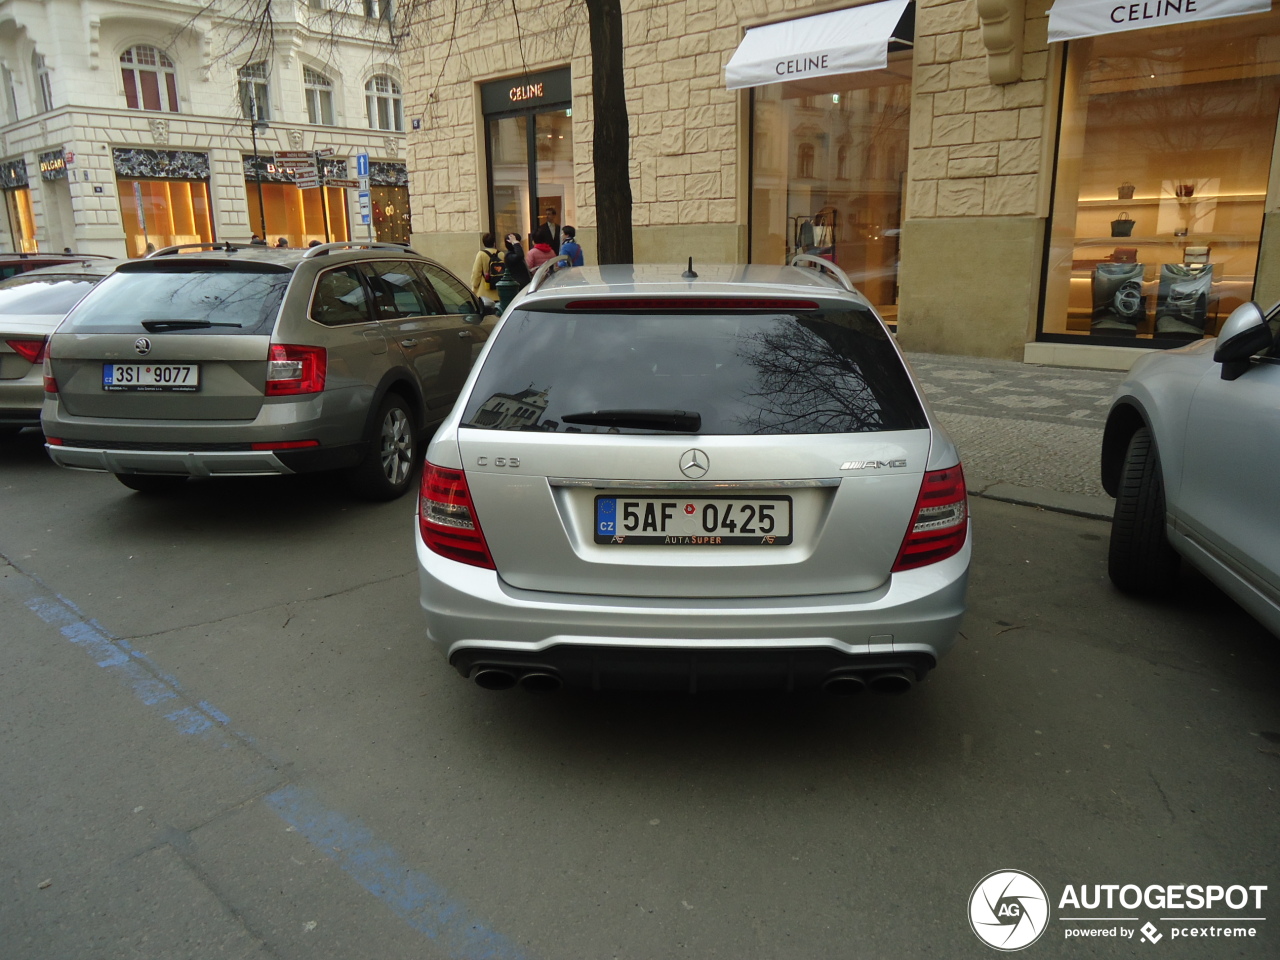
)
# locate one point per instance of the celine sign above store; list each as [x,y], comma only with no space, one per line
[855,40]
[1074,19]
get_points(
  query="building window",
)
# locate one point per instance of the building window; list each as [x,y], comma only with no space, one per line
[842,163]
[804,161]
[1164,160]
[10,96]
[253,91]
[377,9]
[382,100]
[319,91]
[41,73]
[150,80]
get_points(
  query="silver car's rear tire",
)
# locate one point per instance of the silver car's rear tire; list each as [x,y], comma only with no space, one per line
[386,471]
[151,483]
[1140,559]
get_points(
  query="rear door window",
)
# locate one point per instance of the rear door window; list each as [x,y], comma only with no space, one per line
[234,298]
[832,371]
[340,297]
[398,291]
[455,297]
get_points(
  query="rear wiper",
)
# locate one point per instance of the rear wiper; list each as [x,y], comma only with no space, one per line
[683,421]
[157,326]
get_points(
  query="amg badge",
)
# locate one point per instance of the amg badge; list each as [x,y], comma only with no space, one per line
[871,464]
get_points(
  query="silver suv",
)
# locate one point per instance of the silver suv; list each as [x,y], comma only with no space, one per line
[658,478]
[239,361]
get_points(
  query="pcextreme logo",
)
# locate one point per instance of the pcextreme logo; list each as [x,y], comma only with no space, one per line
[1009,910]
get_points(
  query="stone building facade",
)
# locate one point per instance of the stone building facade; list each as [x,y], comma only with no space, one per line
[125,122]
[973,183]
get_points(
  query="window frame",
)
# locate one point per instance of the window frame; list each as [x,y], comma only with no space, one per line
[392,99]
[253,83]
[322,88]
[162,68]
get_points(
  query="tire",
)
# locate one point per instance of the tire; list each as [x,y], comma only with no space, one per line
[386,471]
[152,484]
[1140,559]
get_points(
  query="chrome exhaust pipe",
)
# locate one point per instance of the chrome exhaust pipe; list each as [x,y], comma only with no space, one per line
[843,684]
[539,682]
[494,678]
[892,681]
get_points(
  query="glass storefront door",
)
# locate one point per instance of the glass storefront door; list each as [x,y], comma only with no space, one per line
[21,219]
[1164,158]
[827,177]
[529,144]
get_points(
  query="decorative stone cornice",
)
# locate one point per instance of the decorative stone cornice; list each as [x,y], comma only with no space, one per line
[1002,22]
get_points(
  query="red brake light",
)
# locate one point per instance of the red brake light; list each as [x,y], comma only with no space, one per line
[447,518]
[692,303]
[32,351]
[283,444]
[295,369]
[939,523]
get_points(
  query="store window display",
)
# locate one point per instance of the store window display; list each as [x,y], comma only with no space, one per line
[1164,159]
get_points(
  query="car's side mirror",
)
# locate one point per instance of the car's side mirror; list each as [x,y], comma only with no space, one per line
[1243,334]
[488,308]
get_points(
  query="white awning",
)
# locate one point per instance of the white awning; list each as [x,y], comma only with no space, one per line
[1073,19]
[843,41]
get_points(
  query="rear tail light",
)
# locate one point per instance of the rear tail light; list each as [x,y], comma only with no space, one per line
[32,351]
[939,523]
[283,444]
[53,441]
[50,382]
[292,370]
[447,518]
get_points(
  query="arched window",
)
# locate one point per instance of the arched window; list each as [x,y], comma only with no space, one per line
[253,91]
[319,90]
[382,100]
[41,73]
[804,160]
[842,163]
[150,81]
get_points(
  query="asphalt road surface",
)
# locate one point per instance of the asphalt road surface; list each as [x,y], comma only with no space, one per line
[222,735]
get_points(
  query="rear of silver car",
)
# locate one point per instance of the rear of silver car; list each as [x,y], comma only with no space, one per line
[693,492]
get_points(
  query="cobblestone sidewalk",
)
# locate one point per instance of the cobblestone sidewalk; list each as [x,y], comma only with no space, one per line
[1026,433]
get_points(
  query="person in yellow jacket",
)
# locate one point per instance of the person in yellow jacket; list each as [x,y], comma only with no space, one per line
[483,275]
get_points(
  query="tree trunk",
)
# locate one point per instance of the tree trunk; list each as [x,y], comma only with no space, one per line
[611,144]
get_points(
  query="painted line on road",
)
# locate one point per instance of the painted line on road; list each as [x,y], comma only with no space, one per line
[413,896]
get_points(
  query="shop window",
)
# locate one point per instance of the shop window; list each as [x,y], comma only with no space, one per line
[150,79]
[162,213]
[254,103]
[299,216]
[44,90]
[1163,165]
[827,179]
[319,93]
[382,101]
[22,225]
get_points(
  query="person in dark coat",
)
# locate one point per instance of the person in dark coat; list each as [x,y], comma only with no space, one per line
[516,268]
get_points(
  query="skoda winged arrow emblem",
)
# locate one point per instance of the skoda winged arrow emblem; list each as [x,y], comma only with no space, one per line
[694,464]
[142,345]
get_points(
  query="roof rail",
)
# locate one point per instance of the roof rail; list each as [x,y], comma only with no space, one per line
[322,249]
[169,251]
[819,263]
[547,269]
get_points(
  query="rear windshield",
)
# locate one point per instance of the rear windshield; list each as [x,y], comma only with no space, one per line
[46,294]
[235,301]
[760,373]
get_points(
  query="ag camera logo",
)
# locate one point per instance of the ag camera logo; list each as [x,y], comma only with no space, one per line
[1008,910]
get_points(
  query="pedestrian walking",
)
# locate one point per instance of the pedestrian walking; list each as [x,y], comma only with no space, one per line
[487,269]
[514,266]
[541,250]
[569,246]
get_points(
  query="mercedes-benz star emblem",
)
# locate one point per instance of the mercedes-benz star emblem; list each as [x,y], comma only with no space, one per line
[142,345]
[694,464]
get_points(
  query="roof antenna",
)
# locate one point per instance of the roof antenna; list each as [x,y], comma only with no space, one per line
[689,274]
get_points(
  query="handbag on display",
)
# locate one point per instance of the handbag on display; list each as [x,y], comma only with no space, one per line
[1125,191]
[1122,226]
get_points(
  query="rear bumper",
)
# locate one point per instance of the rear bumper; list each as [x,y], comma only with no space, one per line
[476,620]
[205,463]
[21,399]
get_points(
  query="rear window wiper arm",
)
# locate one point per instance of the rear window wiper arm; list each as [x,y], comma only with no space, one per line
[681,421]
[157,326]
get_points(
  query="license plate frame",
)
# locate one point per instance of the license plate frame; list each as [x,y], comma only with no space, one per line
[142,377]
[678,526]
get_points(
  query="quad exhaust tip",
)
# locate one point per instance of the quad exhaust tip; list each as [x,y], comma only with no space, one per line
[886,682]
[500,678]
[844,685]
[492,678]
[892,682]
[541,682]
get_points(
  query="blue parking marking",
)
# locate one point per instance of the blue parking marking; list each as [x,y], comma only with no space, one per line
[412,895]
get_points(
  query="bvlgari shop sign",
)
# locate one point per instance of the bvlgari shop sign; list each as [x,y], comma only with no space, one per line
[1074,19]
[530,91]
[53,165]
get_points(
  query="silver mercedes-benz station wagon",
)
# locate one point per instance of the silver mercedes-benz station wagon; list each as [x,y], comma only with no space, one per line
[667,480]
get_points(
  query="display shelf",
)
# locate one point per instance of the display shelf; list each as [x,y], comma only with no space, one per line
[1167,240]
[1156,201]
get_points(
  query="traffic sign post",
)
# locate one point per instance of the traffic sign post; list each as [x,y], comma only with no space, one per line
[362,164]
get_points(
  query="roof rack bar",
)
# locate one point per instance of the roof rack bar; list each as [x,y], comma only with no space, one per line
[322,249]
[169,251]
[547,269]
[819,263]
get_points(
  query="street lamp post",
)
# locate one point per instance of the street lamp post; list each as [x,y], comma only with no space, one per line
[254,125]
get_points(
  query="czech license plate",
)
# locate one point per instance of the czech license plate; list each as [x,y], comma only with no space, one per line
[178,377]
[693,521]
